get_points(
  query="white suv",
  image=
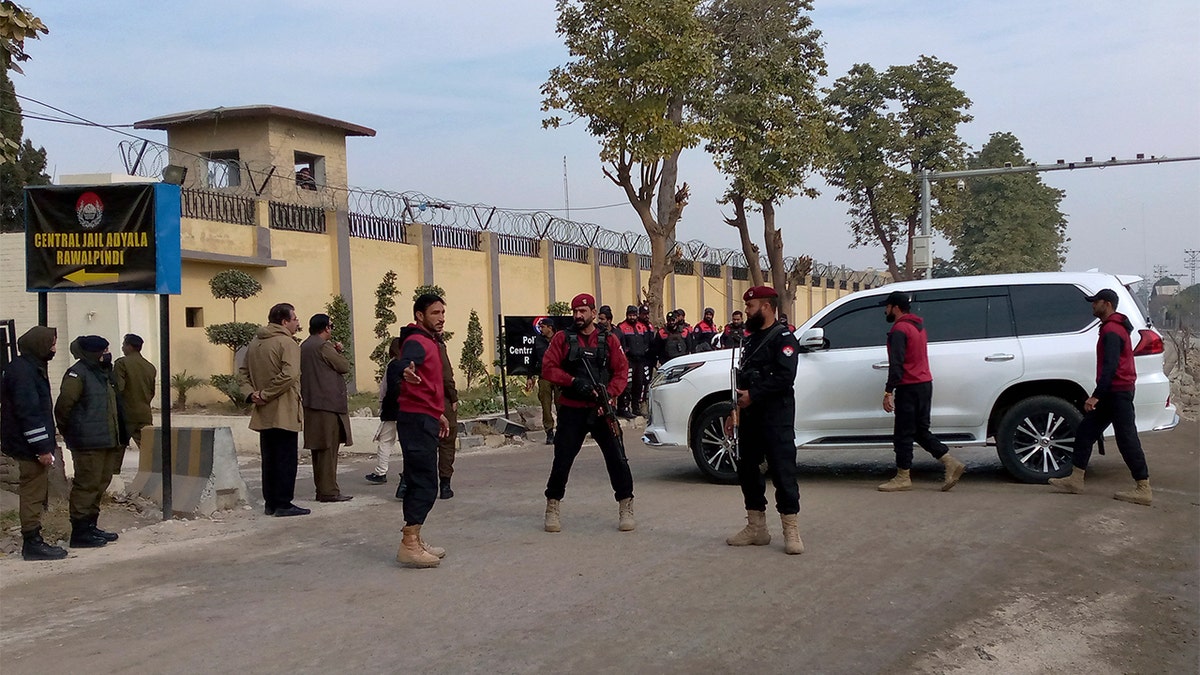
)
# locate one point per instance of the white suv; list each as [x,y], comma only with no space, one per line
[1013,358]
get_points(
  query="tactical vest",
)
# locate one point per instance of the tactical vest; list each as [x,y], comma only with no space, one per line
[595,357]
[674,344]
[92,424]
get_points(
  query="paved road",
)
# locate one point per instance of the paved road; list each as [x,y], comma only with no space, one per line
[994,576]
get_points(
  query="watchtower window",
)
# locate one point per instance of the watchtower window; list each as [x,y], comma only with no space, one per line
[223,169]
[310,171]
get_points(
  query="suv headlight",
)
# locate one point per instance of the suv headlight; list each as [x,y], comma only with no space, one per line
[673,374]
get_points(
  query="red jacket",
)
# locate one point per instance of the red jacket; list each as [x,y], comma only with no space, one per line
[552,365]
[908,356]
[426,398]
[1115,369]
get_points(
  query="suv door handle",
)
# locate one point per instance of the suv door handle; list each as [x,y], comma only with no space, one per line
[999,357]
[882,365]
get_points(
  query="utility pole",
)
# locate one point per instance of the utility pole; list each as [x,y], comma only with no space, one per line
[1061,165]
[1160,271]
[1192,262]
[566,190]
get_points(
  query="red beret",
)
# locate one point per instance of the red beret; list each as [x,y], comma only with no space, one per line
[760,292]
[583,300]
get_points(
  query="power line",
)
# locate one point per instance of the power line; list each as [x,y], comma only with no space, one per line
[82,121]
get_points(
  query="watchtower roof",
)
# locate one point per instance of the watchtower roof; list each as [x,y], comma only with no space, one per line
[166,122]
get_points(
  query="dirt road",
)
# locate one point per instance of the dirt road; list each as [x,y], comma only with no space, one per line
[994,576]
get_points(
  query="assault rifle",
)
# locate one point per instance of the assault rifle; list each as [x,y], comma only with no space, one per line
[735,412]
[610,413]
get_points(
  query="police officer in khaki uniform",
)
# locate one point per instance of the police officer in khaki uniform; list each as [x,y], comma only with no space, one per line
[323,371]
[90,421]
[135,386]
[27,433]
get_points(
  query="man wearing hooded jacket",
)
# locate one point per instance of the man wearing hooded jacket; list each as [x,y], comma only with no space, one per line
[27,434]
[909,393]
[88,416]
[1110,403]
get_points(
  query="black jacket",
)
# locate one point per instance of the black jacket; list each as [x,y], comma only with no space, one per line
[26,408]
[540,344]
[389,407]
[768,373]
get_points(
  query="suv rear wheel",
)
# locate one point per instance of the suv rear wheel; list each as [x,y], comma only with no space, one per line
[1034,438]
[710,448]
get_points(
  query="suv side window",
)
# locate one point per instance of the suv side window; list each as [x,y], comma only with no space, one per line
[1042,309]
[858,324]
[965,314]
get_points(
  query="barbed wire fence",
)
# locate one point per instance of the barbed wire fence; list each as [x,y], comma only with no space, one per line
[390,211]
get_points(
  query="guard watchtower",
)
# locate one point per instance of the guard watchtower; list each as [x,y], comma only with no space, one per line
[263,151]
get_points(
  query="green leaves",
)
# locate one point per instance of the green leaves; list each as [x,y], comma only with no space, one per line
[887,128]
[233,335]
[1011,223]
[343,331]
[471,361]
[234,285]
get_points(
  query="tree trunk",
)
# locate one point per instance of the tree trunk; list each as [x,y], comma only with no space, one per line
[774,241]
[749,250]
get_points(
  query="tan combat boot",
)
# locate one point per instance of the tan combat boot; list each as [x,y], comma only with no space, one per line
[625,513]
[791,534]
[898,484]
[552,522]
[1072,484]
[411,553]
[1138,495]
[435,550]
[754,533]
[954,471]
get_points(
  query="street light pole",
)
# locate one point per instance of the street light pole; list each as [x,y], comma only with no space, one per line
[1060,165]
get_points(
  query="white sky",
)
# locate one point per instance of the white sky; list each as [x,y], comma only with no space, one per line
[452,89]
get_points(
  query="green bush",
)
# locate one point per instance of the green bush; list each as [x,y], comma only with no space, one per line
[559,308]
[231,386]
[234,285]
[234,335]
[182,383]
[339,313]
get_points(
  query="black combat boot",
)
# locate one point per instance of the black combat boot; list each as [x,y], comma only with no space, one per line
[35,548]
[108,536]
[401,488]
[82,535]
[549,437]
[445,491]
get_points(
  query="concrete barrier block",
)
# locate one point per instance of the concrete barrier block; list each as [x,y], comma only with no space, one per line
[204,471]
[468,441]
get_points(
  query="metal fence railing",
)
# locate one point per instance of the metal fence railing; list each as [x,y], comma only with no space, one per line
[378,228]
[210,205]
[569,252]
[454,237]
[610,258]
[522,246]
[297,218]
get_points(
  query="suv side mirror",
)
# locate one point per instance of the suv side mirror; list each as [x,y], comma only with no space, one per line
[813,338]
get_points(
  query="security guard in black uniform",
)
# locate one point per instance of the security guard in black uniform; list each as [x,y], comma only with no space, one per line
[766,410]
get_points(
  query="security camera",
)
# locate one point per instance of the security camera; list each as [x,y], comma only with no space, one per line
[962,185]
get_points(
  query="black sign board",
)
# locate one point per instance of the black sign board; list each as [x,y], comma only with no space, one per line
[519,334]
[115,238]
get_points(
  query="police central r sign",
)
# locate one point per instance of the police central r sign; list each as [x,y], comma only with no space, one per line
[103,238]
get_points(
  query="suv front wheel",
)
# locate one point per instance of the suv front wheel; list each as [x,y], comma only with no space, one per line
[710,448]
[1034,438]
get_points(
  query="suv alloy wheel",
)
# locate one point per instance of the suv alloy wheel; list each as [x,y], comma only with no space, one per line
[1034,438]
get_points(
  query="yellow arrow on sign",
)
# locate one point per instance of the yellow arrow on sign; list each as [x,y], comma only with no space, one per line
[84,277]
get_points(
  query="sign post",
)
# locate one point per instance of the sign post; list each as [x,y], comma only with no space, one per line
[118,238]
